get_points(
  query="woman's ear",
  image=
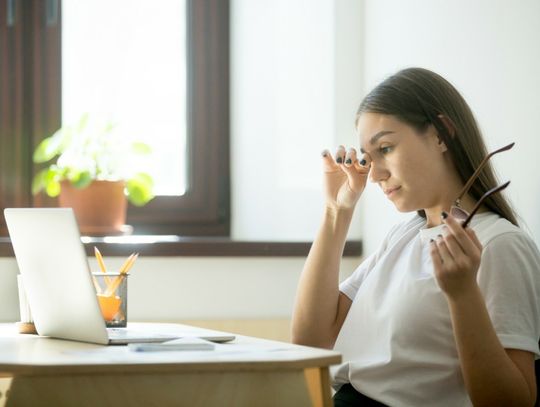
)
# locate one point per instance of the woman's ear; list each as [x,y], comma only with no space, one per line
[442,145]
[447,123]
[450,128]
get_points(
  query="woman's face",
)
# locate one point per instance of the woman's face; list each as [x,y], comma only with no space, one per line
[409,166]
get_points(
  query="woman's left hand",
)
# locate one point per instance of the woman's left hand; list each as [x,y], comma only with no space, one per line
[456,258]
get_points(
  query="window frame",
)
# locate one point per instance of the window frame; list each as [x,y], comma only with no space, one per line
[30,104]
[205,208]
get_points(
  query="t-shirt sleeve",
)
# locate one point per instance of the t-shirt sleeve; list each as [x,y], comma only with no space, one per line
[350,286]
[509,278]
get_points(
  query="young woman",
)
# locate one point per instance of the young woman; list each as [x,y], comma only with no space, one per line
[441,314]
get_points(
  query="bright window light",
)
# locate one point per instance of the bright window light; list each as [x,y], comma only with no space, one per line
[125,61]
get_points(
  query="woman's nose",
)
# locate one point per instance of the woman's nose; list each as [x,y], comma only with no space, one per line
[378,172]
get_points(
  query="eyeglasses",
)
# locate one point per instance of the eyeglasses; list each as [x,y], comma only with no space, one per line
[456,209]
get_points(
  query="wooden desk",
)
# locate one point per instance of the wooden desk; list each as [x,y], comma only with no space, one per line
[37,371]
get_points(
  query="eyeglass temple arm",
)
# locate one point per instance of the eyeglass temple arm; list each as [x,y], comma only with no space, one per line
[477,172]
[481,200]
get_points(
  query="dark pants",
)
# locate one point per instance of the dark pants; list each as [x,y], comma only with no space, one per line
[347,396]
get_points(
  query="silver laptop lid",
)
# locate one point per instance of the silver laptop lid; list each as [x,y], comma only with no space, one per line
[56,275]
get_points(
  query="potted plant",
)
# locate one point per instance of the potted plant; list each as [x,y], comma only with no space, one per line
[93,169]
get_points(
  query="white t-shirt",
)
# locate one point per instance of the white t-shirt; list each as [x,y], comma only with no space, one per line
[397,340]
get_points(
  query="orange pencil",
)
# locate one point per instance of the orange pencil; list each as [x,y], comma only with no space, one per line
[101,264]
[123,272]
[96,285]
[129,263]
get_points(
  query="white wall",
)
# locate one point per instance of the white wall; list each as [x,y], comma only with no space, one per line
[489,50]
[296,83]
[172,289]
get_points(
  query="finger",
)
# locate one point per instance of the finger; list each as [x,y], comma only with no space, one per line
[459,233]
[474,238]
[453,246]
[366,160]
[351,162]
[363,165]
[329,163]
[340,155]
[445,254]
[356,177]
[360,162]
[350,157]
[435,256]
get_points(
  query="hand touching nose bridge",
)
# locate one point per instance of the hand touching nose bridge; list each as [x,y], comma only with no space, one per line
[344,178]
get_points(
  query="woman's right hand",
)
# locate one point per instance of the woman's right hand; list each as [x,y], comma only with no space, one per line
[344,178]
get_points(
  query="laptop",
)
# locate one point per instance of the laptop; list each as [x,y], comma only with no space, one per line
[58,283]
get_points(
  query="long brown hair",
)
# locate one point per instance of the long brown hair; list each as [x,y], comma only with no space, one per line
[418,97]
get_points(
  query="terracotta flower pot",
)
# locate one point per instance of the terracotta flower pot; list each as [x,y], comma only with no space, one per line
[100,208]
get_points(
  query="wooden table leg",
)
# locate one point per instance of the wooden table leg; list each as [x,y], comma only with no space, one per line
[318,382]
[5,384]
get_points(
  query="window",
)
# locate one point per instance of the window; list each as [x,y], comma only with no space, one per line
[30,109]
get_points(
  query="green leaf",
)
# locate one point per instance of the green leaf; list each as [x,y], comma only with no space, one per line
[139,147]
[53,188]
[49,147]
[48,180]
[108,127]
[43,151]
[83,180]
[145,179]
[39,181]
[140,189]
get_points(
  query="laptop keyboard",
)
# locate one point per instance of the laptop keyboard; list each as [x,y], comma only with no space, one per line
[116,334]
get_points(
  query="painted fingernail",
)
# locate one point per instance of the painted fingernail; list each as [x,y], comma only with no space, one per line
[363,162]
[324,153]
[444,214]
[349,161]
[431,241]
[339,160]
[439,236]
